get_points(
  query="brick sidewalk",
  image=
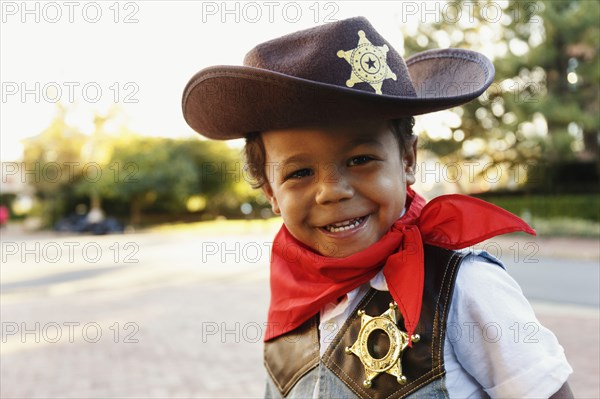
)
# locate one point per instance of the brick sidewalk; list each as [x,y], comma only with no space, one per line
[196,340]
[577,330]
[201,339]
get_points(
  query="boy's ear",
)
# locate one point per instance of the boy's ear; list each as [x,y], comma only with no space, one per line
[409,160]
[268,191]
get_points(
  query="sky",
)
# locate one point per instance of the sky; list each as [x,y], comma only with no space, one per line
[138,55]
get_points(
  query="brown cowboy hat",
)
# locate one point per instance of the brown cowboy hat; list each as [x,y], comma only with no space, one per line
[339,71]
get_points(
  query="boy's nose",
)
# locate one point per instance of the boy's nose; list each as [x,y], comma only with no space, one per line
[333,187]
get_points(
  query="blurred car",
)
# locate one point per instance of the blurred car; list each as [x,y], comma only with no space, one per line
[77,223]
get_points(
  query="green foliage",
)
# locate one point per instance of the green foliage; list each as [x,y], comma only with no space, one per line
[127,174]
[51,163]
[53,158]
[144,171]
[544,103]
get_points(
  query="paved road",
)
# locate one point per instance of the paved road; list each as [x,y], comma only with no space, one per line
[565,281]
[182,315]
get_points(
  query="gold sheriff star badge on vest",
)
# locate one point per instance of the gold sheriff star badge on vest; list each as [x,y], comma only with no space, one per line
[391,363]
[368,63]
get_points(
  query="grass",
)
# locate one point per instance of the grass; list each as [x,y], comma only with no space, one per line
[223,226]
[561,227]
[555,227]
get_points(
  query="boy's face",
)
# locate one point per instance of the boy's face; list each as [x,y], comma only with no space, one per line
[338,190]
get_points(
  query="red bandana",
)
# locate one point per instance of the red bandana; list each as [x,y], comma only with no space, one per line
[303,282]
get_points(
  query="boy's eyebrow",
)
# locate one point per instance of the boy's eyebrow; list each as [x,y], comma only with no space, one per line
[304,158]
[364,140]
[294,159]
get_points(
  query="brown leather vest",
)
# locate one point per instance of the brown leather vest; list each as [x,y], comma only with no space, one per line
[289,357]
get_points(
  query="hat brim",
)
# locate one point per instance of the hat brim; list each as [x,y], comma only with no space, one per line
[228,102]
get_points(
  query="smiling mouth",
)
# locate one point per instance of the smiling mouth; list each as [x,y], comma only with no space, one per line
[346,225]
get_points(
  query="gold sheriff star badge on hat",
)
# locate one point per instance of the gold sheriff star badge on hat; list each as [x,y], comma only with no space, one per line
[368,63]
[391,363]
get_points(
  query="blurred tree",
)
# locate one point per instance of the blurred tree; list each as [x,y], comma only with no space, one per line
[223,181]
[544,102]
[569,59]
[96,155]
[52,163]
[142,171]
[133,172]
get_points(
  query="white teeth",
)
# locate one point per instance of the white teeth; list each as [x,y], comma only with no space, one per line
[343,226]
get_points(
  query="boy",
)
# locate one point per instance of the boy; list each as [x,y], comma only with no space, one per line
[368,298]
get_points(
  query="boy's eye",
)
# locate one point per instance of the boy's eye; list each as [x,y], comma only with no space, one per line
[359,160]
[299,174]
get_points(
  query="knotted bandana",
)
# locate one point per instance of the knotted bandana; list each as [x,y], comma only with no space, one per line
[303,282]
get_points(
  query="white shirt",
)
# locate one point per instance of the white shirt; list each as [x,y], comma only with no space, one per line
[494,343]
